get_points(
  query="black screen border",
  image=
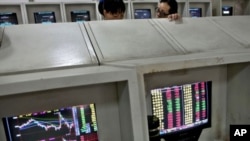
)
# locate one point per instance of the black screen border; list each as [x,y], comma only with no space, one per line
[41,12]
[7,130]
[72,13]
[195,8]
[10,14]
[195,129]
[145,9]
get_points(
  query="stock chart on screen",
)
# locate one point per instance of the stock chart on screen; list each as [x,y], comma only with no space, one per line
[76,123]
[182,107]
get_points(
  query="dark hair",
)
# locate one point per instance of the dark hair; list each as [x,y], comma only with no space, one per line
[173,5]
[112,6]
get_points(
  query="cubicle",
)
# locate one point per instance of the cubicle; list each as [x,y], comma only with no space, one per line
[202,8]
[12,12]
[46,68]
[116,98]
[182,8]
[237,7]
[80,64]
[44,12]
[143,9]
[80,12]
[192,50]
[44,47]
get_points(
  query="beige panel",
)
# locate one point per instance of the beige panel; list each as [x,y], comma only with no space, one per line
[129,39]
[38,46]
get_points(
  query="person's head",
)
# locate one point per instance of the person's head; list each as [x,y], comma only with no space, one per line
[111,9]
[166,7]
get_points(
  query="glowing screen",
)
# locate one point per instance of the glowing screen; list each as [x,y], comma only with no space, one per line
[181,107]
[45,17]
[80,16]
[142,14]
[227,11]
[7,19]
[195,12]
[77,123]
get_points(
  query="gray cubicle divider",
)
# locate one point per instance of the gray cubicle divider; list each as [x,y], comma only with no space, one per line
[201,35]
[172,53]
[137,40]
[128,10]
[236,26]
[129,39]
[50,66]
[57,65]
[1,35]
[182,8]
[38,47]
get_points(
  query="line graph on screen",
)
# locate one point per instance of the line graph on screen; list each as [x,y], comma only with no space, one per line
[72,123]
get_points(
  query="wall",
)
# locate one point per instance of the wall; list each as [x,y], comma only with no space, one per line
[238,94]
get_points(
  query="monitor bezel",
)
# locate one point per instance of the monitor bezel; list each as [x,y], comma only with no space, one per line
[195,8]
[197,128]
[44,12]
[9,134]
[145,9]
[230,9]
[9,14]
[81,13]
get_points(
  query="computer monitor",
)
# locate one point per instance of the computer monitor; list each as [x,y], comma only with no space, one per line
[227,10]
[142,13]
[183,110]
[7,19]
[45,17]
[70,123]
[195,12]
[80,16]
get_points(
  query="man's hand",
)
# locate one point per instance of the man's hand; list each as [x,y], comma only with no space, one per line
[173,17]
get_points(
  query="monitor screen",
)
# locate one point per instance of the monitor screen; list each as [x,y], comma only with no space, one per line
[182,107]
[7,19]
[65,124]
[45,17]
[195,12]
[227,11]
[142,14]
[80,16]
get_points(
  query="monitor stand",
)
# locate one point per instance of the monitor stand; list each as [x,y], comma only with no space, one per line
[192,135]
